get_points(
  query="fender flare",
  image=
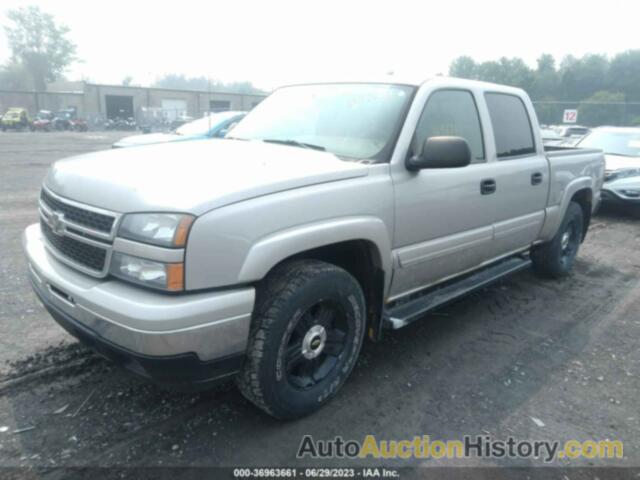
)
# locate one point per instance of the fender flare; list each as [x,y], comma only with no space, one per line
[276,247]
[555,213]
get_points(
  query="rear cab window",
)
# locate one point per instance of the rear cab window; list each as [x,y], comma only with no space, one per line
[511,126]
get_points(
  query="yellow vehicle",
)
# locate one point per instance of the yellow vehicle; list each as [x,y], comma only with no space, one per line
[16,118]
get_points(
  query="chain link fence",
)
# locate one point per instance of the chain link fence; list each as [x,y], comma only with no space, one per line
[589,113]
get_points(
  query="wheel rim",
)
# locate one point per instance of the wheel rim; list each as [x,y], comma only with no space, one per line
[569,242]
[316,345]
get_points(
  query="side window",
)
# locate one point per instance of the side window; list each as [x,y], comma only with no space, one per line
[451,113]
[511,125]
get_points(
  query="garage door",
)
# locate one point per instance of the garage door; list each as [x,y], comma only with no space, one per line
[172,109]
[119,106]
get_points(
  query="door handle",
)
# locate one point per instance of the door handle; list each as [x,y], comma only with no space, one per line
[536,178]
[487,186]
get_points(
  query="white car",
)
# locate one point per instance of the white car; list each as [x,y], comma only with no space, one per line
[621,146]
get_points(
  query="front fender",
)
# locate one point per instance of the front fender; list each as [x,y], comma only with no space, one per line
[275,248]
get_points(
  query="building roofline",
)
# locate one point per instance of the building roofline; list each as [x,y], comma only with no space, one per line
[43,92]
[182,90]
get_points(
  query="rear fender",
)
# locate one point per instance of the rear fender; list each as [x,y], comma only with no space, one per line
[555,213]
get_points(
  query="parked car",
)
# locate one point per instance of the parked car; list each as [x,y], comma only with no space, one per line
[67,119]
[214,125]
[572,133]
[43,121]
[621,146]
[551,137]
[331,212]
[78,125]
[15,119]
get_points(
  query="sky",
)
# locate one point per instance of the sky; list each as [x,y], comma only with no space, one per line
[275,42]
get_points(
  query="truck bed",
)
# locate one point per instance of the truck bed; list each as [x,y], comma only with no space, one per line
[558,150]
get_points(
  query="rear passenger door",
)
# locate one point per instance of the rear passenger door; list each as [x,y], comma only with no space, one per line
[521,175]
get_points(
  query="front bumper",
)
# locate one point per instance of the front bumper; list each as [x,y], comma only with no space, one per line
[178,340]
[613,197]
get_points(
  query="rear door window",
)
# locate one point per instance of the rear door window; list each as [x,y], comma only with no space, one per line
[511,125]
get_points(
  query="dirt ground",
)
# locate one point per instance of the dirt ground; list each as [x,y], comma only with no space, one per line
[528,358]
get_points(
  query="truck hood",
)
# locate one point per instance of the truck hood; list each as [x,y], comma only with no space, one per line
[620,162]
[148,139]
[192,177]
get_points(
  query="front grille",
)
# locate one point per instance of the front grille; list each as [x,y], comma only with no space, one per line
[80,216]
[79,252]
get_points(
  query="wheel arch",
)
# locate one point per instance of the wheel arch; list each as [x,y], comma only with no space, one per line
[361,246]
[584,198]
[579,190]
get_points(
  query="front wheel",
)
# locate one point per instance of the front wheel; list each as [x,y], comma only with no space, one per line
[307,331]
[555,259]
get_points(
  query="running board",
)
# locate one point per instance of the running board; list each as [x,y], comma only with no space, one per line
[406,312]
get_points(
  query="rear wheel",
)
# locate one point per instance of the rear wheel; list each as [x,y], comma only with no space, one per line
[306,335]
[555,259]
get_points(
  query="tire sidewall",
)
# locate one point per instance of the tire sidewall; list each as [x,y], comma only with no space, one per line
[285,399]
[573,215]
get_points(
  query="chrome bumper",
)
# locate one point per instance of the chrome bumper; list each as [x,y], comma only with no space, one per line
[211,325]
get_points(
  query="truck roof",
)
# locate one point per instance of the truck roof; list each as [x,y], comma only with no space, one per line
[417,81]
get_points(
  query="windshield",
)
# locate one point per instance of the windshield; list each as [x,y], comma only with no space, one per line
[614,143]
[358,121]
[202,126]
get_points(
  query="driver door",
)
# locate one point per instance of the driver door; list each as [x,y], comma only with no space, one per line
[444,218]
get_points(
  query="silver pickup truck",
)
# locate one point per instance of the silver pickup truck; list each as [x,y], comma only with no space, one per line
[331,212]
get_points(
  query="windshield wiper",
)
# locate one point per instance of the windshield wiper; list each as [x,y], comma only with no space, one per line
[294,143]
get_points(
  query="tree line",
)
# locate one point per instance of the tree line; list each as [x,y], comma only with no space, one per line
[606,91]
[41,52]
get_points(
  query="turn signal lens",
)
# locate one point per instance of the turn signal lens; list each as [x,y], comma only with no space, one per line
[180,237]
[175,277]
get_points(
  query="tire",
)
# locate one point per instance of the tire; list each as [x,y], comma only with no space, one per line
[306,334]
[555,259]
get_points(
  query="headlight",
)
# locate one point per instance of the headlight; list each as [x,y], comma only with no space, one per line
[631,192]
[623,173]
[163,229]
[166,276]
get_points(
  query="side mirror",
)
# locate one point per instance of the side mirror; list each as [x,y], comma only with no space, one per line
[441,152]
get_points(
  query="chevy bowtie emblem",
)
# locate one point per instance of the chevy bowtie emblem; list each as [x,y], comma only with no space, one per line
[56,220]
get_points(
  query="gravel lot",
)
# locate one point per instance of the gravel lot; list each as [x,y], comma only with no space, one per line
[564,353]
